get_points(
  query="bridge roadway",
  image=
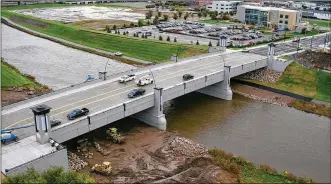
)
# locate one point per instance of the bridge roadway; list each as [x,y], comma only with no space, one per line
[114,93]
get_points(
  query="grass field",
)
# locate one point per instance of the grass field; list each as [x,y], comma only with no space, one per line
[215,22]
[145,49]
[11,77]
[322,23]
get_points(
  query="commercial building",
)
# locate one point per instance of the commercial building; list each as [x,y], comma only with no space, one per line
[203,2]
[223,6]
[269,16]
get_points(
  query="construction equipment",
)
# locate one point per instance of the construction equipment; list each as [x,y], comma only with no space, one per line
[114,136]
[103,169]
[8,136]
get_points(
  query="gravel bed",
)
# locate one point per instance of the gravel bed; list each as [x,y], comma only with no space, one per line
[263,74]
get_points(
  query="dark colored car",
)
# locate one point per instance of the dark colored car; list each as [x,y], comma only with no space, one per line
[136,92]
[77,113]
[55,123]
[188,76]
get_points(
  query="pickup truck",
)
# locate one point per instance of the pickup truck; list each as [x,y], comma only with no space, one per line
[144,81]
[127,78]
[77,113]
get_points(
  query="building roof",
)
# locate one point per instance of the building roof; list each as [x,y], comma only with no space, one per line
[267,8]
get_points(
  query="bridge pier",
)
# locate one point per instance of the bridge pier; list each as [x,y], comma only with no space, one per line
[271,53]
[222,89]
[154,116]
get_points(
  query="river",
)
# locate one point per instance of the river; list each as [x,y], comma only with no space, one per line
[52,64]
[281,137]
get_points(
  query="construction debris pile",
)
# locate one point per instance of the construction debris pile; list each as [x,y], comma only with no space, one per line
[103,151]
[104,168]
[183,146]
[263,74]
[115,136]
[75,163]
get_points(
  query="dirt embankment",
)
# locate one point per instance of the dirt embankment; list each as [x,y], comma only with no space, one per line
[153,156]
[17,94]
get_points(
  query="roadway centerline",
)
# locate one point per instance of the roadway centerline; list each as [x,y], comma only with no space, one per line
[122,93]
[117,90]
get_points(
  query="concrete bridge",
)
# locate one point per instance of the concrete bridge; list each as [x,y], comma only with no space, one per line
[108,102]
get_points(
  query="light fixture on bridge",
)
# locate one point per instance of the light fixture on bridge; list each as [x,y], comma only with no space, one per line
[42,123]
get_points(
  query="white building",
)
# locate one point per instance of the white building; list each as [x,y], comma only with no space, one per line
[224,6]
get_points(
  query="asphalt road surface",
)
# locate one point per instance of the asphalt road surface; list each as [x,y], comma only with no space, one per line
[112,93]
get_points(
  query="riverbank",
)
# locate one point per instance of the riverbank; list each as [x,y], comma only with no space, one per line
[150,155]
[16,86]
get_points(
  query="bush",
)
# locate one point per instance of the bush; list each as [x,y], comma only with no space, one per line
[218,43]
[160,38]
[52,175]
[168,39]
[165,17]
[140,23]
[114,27]
[197,43]
[107,28]
[175,40]
[131,24]
[268,169]
[210,44]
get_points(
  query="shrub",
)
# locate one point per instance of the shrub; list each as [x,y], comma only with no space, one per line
[175,40]
[107,28]
[197,43]
[140,23]
[148,22]
[114,27]
[168,39]
[127,32]
[131,24]
[160,38]
[124,32]
[165,17]
[52,175]
[218,43]
[268,169]
[210,44]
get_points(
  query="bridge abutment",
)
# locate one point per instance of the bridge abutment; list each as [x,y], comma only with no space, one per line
[154,116]
[222,89]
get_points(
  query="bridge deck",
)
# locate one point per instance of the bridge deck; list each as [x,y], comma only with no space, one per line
[111,94]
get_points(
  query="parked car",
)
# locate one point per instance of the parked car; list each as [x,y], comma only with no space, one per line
[77,113]
[55,123]
[118,54]
[136,92]
[144,81]
[127,78]
[187,77]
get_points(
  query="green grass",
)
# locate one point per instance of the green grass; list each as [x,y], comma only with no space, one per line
[322,23]
[11,77]
[323,80]
[215,22]
[145,49]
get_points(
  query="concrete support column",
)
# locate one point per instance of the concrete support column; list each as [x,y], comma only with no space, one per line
[271,55]
[223,40]
[42,123]
[222,89]
[103,75]
[154,116]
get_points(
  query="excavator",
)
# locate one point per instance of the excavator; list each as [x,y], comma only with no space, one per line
[7,135]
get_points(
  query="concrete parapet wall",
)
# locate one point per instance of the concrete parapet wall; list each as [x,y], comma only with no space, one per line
[194,84]
[70,130]
[57,158]
[214,78]
[173,92]
[109,115]
[248,67]
[139,104]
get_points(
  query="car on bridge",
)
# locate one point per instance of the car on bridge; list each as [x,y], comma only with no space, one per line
[136,92]
[127,78]
[77,113]
[55,123]
[187,77]
[144,81]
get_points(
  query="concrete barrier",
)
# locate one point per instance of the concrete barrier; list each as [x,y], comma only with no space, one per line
[214,78]
[173,92]
[70,130]
[138,104]
[106,116]
[195,84]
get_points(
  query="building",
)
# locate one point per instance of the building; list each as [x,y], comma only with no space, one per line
[224,6]
[280,4]
[315,14]
[203,2]
[269,16]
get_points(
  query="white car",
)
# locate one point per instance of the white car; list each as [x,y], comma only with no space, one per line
[118,54]
[144,81]
[127,78]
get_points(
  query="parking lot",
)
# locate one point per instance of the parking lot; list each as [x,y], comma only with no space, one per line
[190,32]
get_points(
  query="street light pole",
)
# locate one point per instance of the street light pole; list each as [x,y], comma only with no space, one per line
[152,76]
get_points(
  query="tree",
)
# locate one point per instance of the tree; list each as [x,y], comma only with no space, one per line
[180,13]
[114,27]
[160,38]
[210,44]
[175,40]
[205,14]
[165,17]
[186,16]
[148,23]
[142,36]
[52,175]
[168,39]
[218,43]
[197,43]
[231,13]
[156,20]
[131,24]
[213,17]
[140,23]
[124,25]
[175,16]
[199,15]
[107,28]
[159,14]
[149,14]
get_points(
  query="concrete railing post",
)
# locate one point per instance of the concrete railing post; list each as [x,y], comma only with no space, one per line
[271,54]
[42,123]
[223,40]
